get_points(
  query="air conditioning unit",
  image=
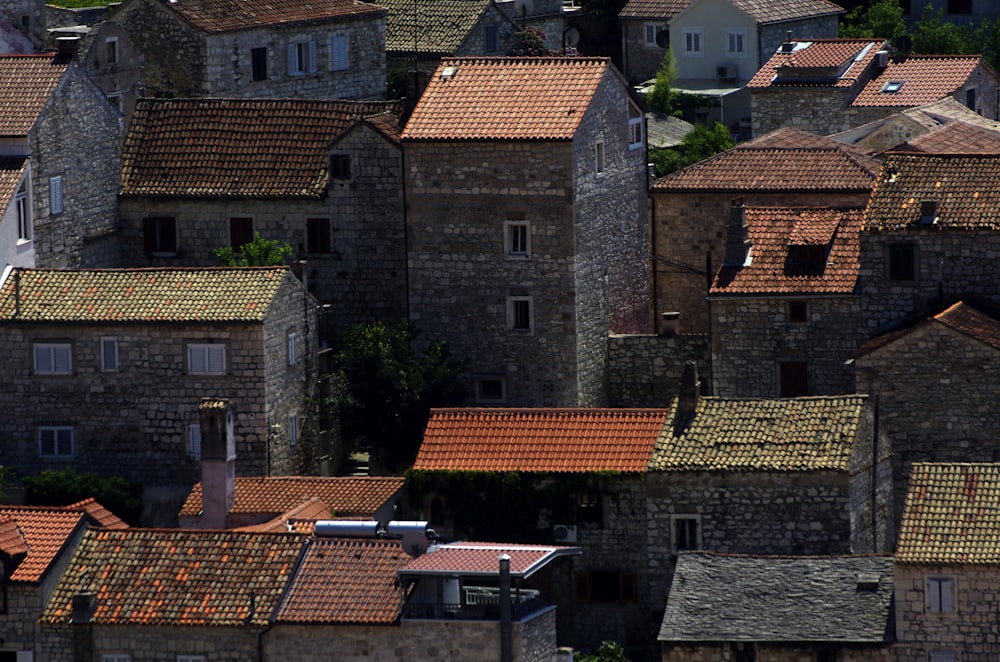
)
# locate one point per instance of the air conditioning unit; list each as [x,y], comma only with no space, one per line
[726,71]
[564,532]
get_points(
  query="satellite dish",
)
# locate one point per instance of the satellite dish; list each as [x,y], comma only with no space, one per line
[524,7]
[904,43]
[571,37]
[663,38]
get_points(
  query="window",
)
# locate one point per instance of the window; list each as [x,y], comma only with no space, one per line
[338,53]
[206,359]
[960,6]
[491,390]
[693,38]
[940,595]
[902,262]
[53,358]
[109,354]
[258,63]
[606,586]
[893,86]
[941,656]
[240,231]
[798,312]
[301,58]
[159,235]
[24,226]
[517,238]
[111,49]
[519,314]
[652,31]
[340,166]
[293,348]
[318,235]
[116,100]
[599,157]
[190,658]
[589,509]
[793,379]
[194,440]
[55,441]
[736,39]
[635,126]
[293,429]
[491,40]
[686,531]
[970,98]
[906,5]
[56,195]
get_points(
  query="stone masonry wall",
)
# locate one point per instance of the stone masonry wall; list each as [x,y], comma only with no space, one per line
[871,474]
[149,643]
[29,17]
[819,110]
[970,631]
[645,370]
[77,138]
[122,78]
[474,44]
[767,652]
[641,60]
[688,226]
[751,336]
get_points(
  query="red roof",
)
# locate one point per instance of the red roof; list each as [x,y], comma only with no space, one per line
[540,440]
[924,78]
[818,62]
[647,9]
[26,83]
[225,15]
[957,138]
[346,581]
[483,559]
[963,317]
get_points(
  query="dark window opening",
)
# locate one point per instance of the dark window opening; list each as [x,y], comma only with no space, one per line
[159,234]
[437,511]
[960,7]
[340,166]
[793,378]
[490,389]
[589,509]
[686,533]
[258,63]
[902,262]
[240,232]
[798,312]
[318,235]
[970,98]
[606,586]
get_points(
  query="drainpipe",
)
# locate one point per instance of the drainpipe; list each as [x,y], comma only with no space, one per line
[506,652]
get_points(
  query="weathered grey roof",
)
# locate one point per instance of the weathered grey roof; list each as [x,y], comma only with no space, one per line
[720,597]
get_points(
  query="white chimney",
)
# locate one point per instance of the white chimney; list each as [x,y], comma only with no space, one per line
[218,462]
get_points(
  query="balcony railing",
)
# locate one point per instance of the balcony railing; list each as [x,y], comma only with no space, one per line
[480,603]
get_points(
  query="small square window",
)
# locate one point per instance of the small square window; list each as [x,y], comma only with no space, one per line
[318,235]
[940,595]
[517,237]
[736,42]
[606,586]
[693,39]
[258,63]
[301,58]
[798,312]
[240,232]
[340,166]
[590,509]
[686,531]
[111,49]
[963,7]
[194,440]
[519,314]
[56,195]
[902,262]
[206,359]
[55,441]
[338,53]
[793,379]
[159,235]
[53,358]
[652,37]
[109,354]
[491,390]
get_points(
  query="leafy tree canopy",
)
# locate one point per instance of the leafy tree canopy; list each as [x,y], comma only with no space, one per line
[609,651]
[698,145]
[63,487]
[258,253]
[884,18]
[660,98]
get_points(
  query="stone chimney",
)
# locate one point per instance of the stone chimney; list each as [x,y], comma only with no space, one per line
[671,323]
[687,397]
[83,605]
[737,238]
[218,462]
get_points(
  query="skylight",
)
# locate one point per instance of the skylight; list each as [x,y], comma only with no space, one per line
[892,86]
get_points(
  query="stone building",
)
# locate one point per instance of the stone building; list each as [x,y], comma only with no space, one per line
[322,176]
[332,49]
[528,241]
[646,36]
[787,168]
[115,364]
[36,543]
[63,146]
[25,29]
[785,304]
[946,564]
[832,85]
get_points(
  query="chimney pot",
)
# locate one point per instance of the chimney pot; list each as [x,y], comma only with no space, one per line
[737,238]
[671,323]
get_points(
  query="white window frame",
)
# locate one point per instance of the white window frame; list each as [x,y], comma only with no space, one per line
[942,655]
[57,431]
[689,517]
[109,350]
[514,307]
[52,351]
[941,595]
[206,358]
[293,429]
[111,50]
[483,399]
[694,42]
[293,348]
[194,440]
[649,32]
[513,234]
[301,58]
[22,204]
[636,127]
[339,60]
[736,42]
[600,163]
[56,195]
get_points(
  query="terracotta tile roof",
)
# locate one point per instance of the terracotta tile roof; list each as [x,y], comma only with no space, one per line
[772,270]
[772,11]
[11,174]
[794,434]
[224,148]
[229,15]
[240,294]
[784,160]
[12,543]
[26,83]
[483,559]
[104,517]
[45,530]
[539,440]
[957,138]
[299,519]
[436,28]
[966,189]
[964,317]
[345,496]
[547,95]
[346,581]
[178,577]
[951,515]
[818,63]
[661,9]
[925,78]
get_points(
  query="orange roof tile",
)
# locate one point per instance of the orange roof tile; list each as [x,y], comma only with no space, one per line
[228,15]
[241,294]
[957,138]
[818,62]
[783,160]
[219,148]
[963,317]
[346,581]
[483,559]
[950,515]
[506,98]
[965,187]
[662,9]
[12,543]
[104,517]
[345,496]
[772,270]
[299,519]
[178,577]
[539,440]
[924,78]
[26,83]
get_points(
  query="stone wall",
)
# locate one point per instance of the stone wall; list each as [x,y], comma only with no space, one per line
[77,138]
[645,370]
[871,485]
[122,79]
[969,632]
[642,61]
[820,110]
[29,18]
[146,643]
[474,44]
[773,652]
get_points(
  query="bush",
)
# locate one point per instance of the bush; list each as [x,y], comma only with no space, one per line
[63,487]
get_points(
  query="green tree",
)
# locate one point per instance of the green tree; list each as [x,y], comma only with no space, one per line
[660,98]
[387,389]
[609,651]
[63,487]
[530,41]
[884,18]
[258,253]
[935,35]
[701,143]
